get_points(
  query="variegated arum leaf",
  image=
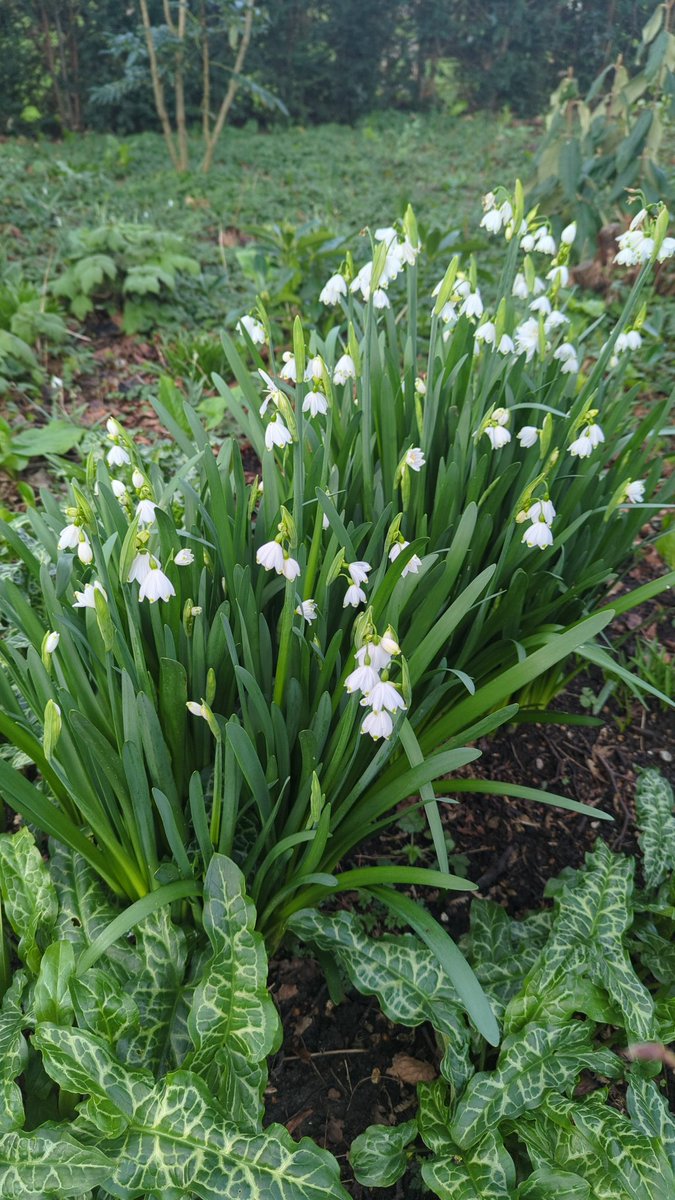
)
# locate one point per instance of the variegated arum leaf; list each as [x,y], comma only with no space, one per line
[530,1064]
[28,894]
[406,977]
[102,1006]
[589,926]
[485,1172]
[174,1139]
[593,1140]
[551,1184]
[154,987]
[233,1022]
[379,1156]
[654,803]
[46,1165]
[650,1114]
[502,950]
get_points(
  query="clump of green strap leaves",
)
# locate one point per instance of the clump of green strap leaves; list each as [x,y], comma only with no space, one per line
[583,989]
[278,776]
[599,147]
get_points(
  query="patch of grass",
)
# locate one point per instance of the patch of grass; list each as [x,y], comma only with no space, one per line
[333,174]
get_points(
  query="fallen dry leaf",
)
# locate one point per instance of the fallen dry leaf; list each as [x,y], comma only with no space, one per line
[411,1070]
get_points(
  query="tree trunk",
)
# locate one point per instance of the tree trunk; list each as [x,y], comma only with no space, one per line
[157,86]
[225,107]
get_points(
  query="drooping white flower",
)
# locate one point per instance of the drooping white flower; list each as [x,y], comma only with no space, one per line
[253,328]
[448,314]
[630,339]
[380,299]
[276,433]
[288,370]
[545,243]
[581,447]
[84,550]
[69,537]
[384,696]
[52,640]
[315,403]
[362,679]
[118,488]
[559,274]
[666,249]
[85,599]
[307,609]
[472,306]
[567,355]
[498,436]
[594,434]
[388,644]
[361,281]
[568,234]
[359,571]
[375,654]
[487,333]
[195,708]
[184,558]
[139,568]
[541,304]
[113,428]
[290,568]
[156,585]
[506,345]
[273,394]
[638,219]
[527,338]
[635,491]
[492,220]
[271,557]
[344,369]
[354,596]
[117,457]
[415,458]
[412,567]
[378,725]
[541,510]
[554,320]
[56,383]
[145,511]
[333,289]
[520,288]
[138,479]
[539,534]
[314,369]
[528,436]
[527,243]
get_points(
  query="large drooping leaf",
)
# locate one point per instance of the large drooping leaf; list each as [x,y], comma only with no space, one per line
[588,932]
[594,1141]
[379,1155]
[176,1140]
[102,1007]
[502,950]
[232,1021]
[85,907]
[486,1172]
[530,1064]
[46,1165]
[654,803]
[406,977]
[650,1114]
[154,989]
[28,894]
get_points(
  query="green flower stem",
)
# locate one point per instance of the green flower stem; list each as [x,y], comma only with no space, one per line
[285,635]
[367,418]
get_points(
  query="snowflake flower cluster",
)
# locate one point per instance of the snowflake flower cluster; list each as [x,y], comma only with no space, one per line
[370,679]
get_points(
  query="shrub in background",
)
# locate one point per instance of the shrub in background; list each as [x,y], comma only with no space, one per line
[599,149]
